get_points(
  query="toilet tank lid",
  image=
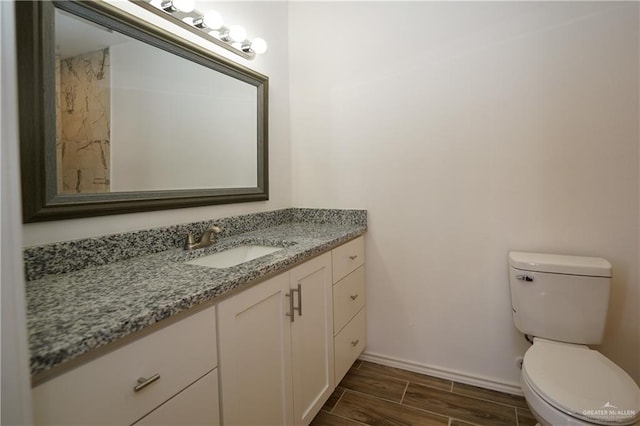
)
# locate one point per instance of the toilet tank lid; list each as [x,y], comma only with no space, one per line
[560,264]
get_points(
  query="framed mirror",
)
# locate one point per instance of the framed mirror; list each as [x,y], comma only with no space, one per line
[118,116]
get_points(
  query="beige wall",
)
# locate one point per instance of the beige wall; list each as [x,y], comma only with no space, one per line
[468,130]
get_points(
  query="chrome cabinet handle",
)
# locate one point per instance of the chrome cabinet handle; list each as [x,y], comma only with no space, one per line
[353,257]
[299,308]
[525,278]
[144,382]
[353,296]
[292,307]
[354,343]
[290,314]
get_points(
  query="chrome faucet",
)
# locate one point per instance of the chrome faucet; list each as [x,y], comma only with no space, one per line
[207,239]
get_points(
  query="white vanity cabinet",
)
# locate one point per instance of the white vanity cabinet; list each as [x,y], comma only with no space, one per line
[279,369]
[276,348]
[182,355]
[348,305]
[269,355]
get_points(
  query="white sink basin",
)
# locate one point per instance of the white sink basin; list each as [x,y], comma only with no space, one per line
[234,256]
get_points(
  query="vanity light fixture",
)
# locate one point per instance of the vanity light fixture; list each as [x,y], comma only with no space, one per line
[208,25]
[178,5]
[258,45]
[237,33]
[210,19]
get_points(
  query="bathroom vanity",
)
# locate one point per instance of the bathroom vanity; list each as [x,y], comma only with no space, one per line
[264,341]
[130,328]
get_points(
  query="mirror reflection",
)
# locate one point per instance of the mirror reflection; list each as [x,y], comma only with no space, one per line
[133,117]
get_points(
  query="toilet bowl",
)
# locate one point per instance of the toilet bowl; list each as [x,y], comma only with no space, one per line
[563,301]
[567,384]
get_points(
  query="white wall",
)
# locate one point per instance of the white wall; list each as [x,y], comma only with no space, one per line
[264,19]
[468,130]
[15,408]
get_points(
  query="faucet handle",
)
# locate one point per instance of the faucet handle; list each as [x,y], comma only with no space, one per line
[216,229]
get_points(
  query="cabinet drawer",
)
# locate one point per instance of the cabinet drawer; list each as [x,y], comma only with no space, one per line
[349,344]
[347,258]
[348,298]
[102,391]
[196,405]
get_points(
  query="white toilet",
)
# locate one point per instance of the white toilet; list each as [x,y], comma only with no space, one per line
[561,302]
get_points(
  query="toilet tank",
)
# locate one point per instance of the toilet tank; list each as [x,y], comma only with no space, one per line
[563,298]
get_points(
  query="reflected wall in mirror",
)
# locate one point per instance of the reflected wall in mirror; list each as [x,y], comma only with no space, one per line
[120,116]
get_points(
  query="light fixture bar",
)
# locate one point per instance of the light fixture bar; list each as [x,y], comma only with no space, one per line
[168,10]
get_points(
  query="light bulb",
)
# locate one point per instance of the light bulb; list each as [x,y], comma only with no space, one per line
[184,5]
[212,19]
[258,45]
[237,33]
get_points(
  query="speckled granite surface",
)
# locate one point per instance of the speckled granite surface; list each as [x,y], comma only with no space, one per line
[69,256]
[70,314]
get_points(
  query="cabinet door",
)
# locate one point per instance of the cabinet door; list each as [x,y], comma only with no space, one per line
[195,405]
[255,355]
[312,337]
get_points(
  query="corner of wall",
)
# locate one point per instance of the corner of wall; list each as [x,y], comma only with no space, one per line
[16,389]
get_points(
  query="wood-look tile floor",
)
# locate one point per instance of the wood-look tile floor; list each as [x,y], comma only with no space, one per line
[374,394]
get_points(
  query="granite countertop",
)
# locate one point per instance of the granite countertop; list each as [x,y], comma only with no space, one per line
[71,314]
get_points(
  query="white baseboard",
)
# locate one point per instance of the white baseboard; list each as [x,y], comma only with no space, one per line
[443,373]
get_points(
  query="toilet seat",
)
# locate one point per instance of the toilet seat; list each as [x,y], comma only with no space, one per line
[581,383]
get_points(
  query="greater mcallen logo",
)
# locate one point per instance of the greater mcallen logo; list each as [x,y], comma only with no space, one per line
[609,412]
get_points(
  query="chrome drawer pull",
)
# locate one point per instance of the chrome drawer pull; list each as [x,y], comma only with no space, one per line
[354,343]
[292,309]
[299,309]
[143,383]
[353,257]
[292,306]
[354,297]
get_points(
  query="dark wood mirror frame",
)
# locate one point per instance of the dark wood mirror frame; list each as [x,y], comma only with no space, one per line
[36,96]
